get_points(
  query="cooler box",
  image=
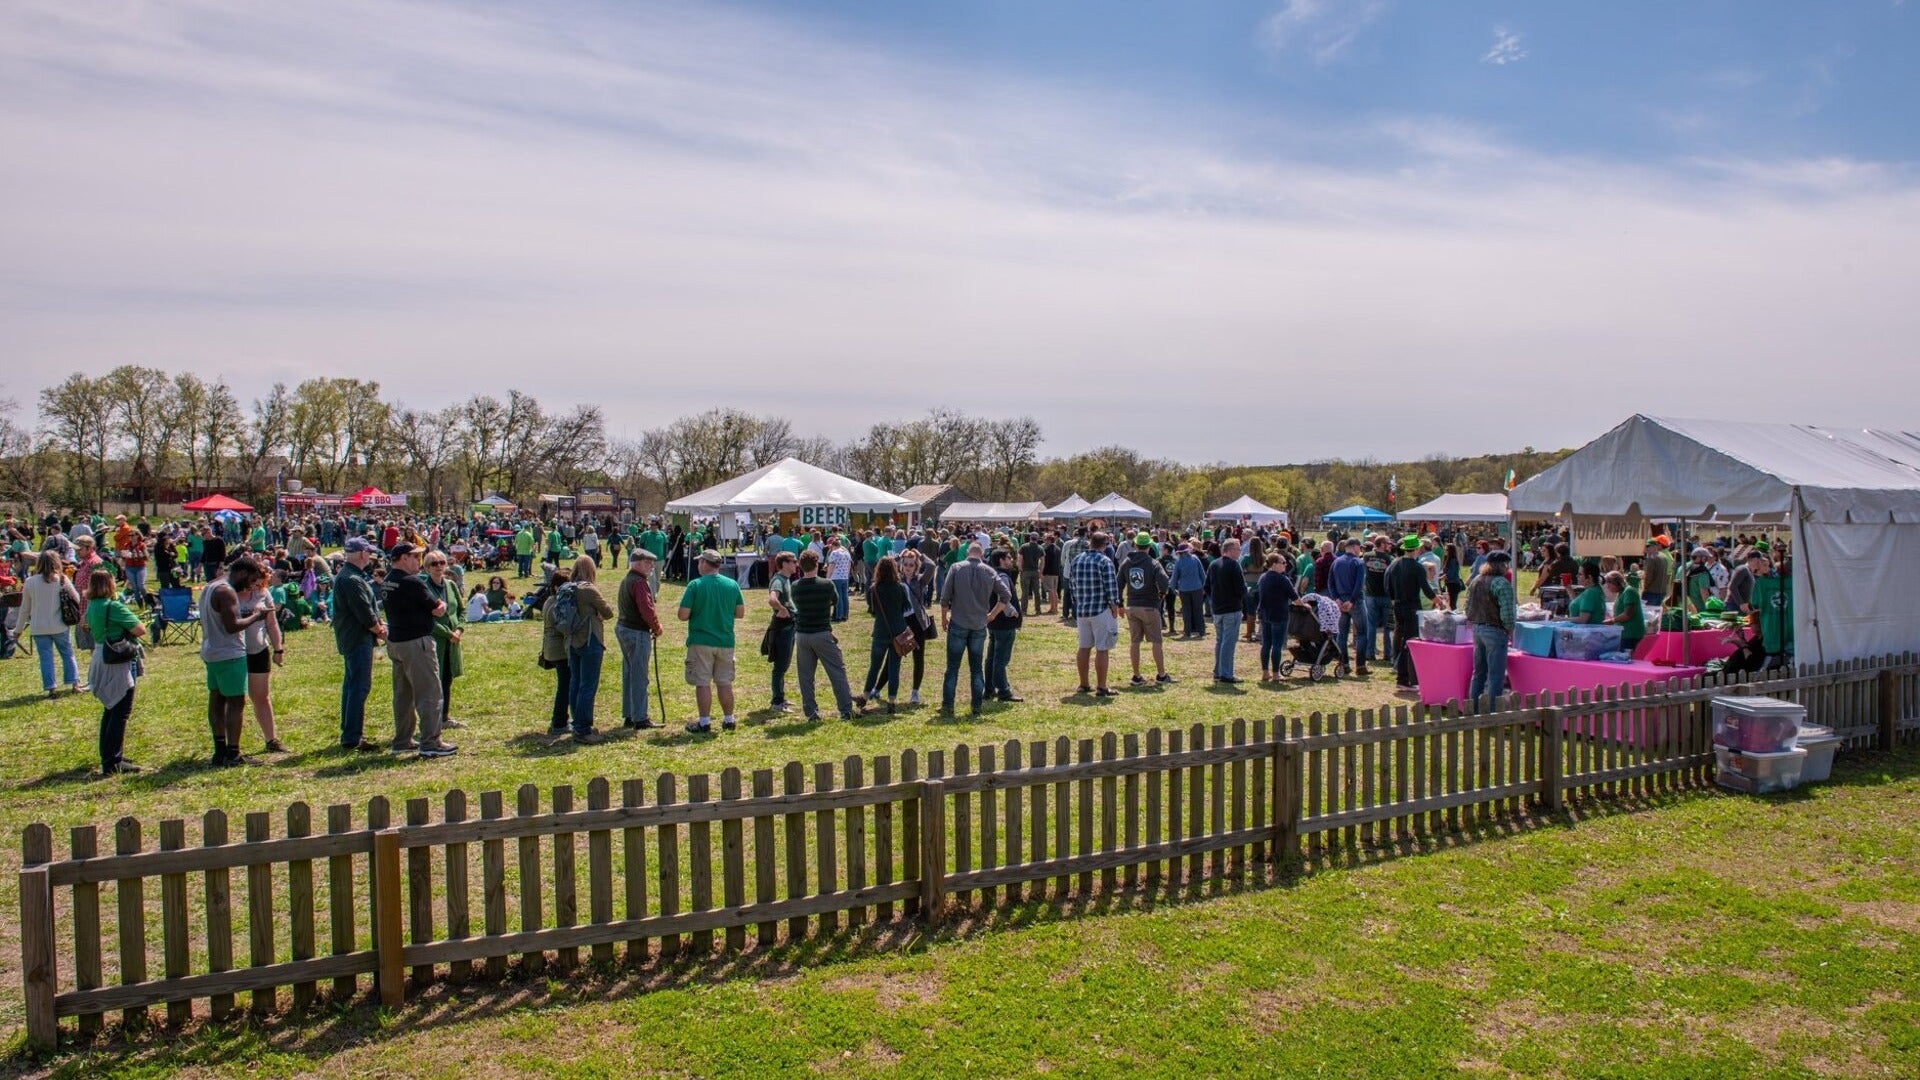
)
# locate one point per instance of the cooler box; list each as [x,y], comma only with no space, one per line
[1757,725]
[1576,641]
[1759,774]
[1820,743]
[1535,639]
[1445,627]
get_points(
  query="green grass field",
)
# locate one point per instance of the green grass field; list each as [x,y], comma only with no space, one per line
[1705,935]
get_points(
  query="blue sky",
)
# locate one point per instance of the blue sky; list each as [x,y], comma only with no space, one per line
[1244,232]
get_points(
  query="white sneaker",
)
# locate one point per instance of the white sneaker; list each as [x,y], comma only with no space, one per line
[913,698]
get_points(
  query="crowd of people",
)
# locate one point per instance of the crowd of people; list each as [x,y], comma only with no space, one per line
[399,585]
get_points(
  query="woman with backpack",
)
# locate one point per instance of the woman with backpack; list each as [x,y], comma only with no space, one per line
[579,613]
[49,608]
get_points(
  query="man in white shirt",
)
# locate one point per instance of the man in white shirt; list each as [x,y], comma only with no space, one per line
[839,569]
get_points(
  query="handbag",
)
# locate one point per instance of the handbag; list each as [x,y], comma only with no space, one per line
[905,643]
[118,652]
[69,606]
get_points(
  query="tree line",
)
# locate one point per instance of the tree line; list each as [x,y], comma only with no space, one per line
[141,436]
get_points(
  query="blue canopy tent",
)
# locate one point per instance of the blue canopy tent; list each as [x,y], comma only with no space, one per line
[1356,515]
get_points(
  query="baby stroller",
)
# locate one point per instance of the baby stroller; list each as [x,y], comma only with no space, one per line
[1311,646]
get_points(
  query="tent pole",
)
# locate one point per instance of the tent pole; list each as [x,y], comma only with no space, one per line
[1797,533]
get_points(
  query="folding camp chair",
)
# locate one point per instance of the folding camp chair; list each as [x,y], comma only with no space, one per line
[177,620]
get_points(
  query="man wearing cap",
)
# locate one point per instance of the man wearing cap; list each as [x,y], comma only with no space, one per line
[709,606]
[1190,581]
[412,607]
[1490,611]
[1146,585]
[1656,571]
[356,628]
[1345,579]
[1407,584]
[636,626]
[1699,579]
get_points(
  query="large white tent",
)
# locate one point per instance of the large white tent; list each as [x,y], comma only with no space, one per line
[1116,505]
[789,484]
[1459,507]
[1851,498]
[1248,508]
[992,513]
[1068,507]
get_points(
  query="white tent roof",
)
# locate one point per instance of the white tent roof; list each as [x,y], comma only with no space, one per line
[1115,505]
[1459,507]
[1069,506]
[1659,467]
[1246,506]
[991,511]
[789,484]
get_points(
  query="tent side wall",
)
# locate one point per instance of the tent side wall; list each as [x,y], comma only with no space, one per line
[1855,592]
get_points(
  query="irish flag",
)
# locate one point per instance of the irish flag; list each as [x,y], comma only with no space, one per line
[1509,486]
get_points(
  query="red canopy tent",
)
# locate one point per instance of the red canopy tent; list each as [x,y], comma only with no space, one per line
[373,496]
[216,502]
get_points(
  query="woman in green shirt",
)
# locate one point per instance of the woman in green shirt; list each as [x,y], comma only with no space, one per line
[1628,615]
[111,621]
[446,631]
[1591,605]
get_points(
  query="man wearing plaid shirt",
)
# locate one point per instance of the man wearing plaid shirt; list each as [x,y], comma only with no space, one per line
[1096,605]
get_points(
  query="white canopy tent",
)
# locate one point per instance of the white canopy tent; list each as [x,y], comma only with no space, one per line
[1069,507]
[1248,508]
[1115,505]
[1459,507]
[991,513]
[1851,499]
[789,484]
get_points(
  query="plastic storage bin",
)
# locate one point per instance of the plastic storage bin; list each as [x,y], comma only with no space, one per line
[1535,638]
[1821,744]
[1757,725]
[1575,641]
[1760,774]
[1445,627]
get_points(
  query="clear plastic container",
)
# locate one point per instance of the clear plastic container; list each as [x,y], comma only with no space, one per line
[1760,774]
[1579,642]
[1821,744]
[1445,627]
[1757,725]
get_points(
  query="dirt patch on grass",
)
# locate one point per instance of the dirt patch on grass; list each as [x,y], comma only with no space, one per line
[1900,915]
[1203,980]
[1509,1021]
[873,1053]
[892,990]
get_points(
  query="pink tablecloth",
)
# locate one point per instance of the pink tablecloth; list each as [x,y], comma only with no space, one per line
[1701,646]
[1531,675]
[1444,671]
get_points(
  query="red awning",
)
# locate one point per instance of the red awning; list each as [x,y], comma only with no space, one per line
[216,502]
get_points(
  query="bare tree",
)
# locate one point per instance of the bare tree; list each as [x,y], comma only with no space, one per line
[80,419]
[267,435]
[146,416]
[29,468]
[1010,454]
[428,442]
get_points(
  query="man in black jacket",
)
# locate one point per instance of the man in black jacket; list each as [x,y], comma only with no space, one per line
[1227,589]
[1406,583]
[1146,586]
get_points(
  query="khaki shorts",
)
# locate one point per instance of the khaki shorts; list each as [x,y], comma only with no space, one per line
[1100,632]
[709,664]
[1143,622]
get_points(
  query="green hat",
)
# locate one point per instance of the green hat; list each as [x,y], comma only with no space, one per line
[1410,543]
[1142,540]
[1762,545]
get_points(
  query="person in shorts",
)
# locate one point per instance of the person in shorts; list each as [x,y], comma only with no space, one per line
[1147,586]
[709,607]
[1095,589]
[223,648]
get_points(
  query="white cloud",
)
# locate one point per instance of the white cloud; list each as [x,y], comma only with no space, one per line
[1322,29]
[659,209]
[1506,48]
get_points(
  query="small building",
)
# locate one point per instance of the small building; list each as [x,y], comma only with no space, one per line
[935,498]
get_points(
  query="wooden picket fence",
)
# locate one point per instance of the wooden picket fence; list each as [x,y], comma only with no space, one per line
[865,842]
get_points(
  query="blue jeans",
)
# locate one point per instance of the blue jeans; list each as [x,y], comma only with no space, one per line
[137,580]
[636,652]
[355,684]
[45,645]
[584,663]
[1273,643]
[1353,632]
[523,565]
[1380,625]
[999,651]
[1226,638]
[974,643]
[839,599]
[1489,665]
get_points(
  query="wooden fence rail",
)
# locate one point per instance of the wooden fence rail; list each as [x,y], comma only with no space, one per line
[684,866]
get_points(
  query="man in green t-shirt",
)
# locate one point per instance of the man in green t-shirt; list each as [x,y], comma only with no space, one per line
[655,541]
[523,551]
[1772,604]
[709,607]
